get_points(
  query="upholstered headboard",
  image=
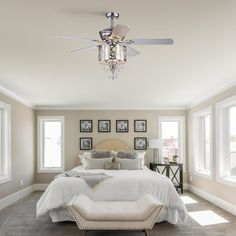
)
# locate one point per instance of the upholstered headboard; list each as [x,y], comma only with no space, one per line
[112,144]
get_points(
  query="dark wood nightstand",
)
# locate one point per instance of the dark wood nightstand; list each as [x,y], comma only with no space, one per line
[173,171]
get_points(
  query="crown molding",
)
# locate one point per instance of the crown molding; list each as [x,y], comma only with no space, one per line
[212,93]
[110,108]
[16,97]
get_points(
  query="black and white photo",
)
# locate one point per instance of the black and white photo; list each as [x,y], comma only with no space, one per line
[104,126]
[86,126]
[122,126]
[140,143]
[140,125]
[86,143]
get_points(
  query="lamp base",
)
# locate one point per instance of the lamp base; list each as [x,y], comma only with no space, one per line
[156,157]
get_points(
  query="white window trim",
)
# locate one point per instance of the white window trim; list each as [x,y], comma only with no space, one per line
[220,125]
[196,115]
[51,170]
[181,132]
[7,144]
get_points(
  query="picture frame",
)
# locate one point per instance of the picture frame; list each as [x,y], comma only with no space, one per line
[86,143]
[86,126]
[140,143]
[104,126]
[140,125]
[122,126]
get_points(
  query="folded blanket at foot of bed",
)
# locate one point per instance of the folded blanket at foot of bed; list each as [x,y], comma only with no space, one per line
[92,179]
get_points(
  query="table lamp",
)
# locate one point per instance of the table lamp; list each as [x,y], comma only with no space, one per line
[155,144]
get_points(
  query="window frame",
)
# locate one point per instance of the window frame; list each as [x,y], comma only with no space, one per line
[196,140]
[5,157]
[182,143]
[40,168]
[222,140]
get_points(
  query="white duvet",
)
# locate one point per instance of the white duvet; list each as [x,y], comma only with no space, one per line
[124,185]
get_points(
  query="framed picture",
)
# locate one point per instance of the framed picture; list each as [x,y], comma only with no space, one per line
[86,143]
[140,125]
[122,126]
[140,143]
[86,126]
[104,126]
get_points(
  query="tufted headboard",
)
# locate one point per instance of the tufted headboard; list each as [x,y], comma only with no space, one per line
[112,144]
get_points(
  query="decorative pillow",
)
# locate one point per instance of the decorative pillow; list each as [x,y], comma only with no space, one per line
[129,164]
[101,154]
[96,163]
[112,166]
[126,155]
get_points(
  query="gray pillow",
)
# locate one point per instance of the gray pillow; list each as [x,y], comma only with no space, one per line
[101,154]
[129,164]
[96,163]
[127,155]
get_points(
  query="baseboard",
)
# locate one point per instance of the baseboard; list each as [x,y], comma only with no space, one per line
[231,208]
[7,201]
[40,187]
[185,186]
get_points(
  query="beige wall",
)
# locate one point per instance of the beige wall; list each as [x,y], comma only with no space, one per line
[228,193]
[22,147]
[72,128]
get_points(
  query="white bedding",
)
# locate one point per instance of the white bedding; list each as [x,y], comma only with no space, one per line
[125,185]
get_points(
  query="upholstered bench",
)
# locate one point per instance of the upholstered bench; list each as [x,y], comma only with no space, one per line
[115,215]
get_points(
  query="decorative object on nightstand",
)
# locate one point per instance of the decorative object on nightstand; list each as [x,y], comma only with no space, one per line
[155,144]
[175,158]
[174,171]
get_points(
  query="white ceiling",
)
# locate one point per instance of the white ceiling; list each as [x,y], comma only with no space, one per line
[38,67]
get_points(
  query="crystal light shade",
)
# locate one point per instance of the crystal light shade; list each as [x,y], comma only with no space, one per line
[113,56]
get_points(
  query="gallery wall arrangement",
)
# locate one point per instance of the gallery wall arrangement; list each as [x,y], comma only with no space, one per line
[104,126]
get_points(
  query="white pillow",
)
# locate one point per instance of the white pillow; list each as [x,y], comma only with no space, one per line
[96,163]
[83,155]
[129,164]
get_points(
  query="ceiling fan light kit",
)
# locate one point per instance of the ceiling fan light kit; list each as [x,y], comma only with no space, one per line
[113,50]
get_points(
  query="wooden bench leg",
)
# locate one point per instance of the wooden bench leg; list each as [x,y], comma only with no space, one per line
[145,232]
[84,232]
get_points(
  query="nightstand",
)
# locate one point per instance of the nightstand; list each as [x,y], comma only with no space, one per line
[173,171]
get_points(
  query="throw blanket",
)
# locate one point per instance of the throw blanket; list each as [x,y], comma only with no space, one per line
[92,179]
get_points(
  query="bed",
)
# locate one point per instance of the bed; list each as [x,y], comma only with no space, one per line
[124,185]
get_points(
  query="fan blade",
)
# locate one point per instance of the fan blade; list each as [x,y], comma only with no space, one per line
[150,41]
[76,38]
[84,49]
[131,52]
[120,31]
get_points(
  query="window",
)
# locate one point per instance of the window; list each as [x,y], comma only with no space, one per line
[202,140]
[226,140]
[51,144]
[232,141]
[172,131]
[5,143]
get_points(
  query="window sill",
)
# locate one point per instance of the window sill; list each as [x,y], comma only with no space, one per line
[204,174]
[4,179]
[53,171]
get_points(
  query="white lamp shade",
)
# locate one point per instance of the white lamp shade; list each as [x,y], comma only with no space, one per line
[155,143]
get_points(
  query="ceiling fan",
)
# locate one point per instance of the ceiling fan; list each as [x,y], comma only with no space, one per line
[113,48]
